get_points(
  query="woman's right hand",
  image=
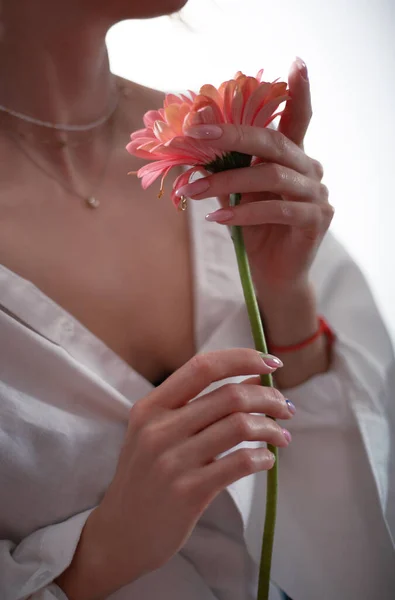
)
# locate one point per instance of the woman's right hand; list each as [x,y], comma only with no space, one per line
[168,471]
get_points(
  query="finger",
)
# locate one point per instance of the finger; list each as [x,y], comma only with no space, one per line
[203,369]
[297,114]
[313,219]
[227,433]
[209,481]
[230,399]
[266,177]
[268,144]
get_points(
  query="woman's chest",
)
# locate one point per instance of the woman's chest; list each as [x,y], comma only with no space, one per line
[123,271]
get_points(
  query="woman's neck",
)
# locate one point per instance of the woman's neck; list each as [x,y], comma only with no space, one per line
[54,67]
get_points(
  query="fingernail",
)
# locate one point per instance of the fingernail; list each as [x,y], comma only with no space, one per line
[194,188]
[204,132]
[302,68]
[271,361]
[291,406]
[220,216]
[287,435]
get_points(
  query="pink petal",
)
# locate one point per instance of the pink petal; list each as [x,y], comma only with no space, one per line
[211,92]
[163,131]
[158,165]
[149,173]
[172,99]
[186,99]
[148,178]
[172,115]
[138,141]
[196,149]
[150,146]
[175,115]
[141,133]
[183,179]
[181,154]
[150,117]
[207,115]
[133,148]
[229,91]
[250,84]
[255,102]
[277,114]
[237,106]
[266,112]
[162,183]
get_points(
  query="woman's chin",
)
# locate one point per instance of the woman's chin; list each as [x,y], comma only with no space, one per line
[149,8]
[119,10]
[163,7]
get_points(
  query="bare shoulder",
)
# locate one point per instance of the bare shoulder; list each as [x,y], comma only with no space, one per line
[138,99]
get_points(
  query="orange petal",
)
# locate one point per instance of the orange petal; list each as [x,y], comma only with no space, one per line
[237,106]
[173,118]
[263,116]
[259,75]
[229,91]
[201,102]
[211,92]
[255,102]
[163,131]
[186,99]
[248,86]
[206,115]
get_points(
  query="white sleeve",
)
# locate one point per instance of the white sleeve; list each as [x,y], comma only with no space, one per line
[358,388]
[337,479]
[27,570]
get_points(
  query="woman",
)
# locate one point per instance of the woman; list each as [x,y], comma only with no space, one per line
[110,486]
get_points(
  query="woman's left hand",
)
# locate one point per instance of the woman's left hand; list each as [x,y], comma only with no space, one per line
[284,208]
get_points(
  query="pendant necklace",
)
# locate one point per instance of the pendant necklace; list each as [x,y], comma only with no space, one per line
[90,199]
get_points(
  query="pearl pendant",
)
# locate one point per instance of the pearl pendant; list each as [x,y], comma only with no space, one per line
[92,202]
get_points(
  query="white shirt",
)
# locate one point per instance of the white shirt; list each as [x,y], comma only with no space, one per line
[64,404]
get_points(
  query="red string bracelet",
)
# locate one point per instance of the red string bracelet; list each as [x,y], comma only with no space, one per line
[323,329]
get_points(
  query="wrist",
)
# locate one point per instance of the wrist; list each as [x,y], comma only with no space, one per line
[93,574]
[290,315]
[290,318]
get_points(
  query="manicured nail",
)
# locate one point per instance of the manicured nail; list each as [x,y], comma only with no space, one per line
[204,132]
[302,68]
[194,188]
[220,216]
[271,361]
[287,435]
[291,406]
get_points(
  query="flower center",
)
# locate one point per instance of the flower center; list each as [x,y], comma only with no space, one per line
[230,160]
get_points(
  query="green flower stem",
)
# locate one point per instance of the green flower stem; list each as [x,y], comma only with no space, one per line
[266,380]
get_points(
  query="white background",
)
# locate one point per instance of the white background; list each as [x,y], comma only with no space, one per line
[349,48]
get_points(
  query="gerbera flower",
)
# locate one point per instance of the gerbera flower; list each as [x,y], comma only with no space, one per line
[164,140]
